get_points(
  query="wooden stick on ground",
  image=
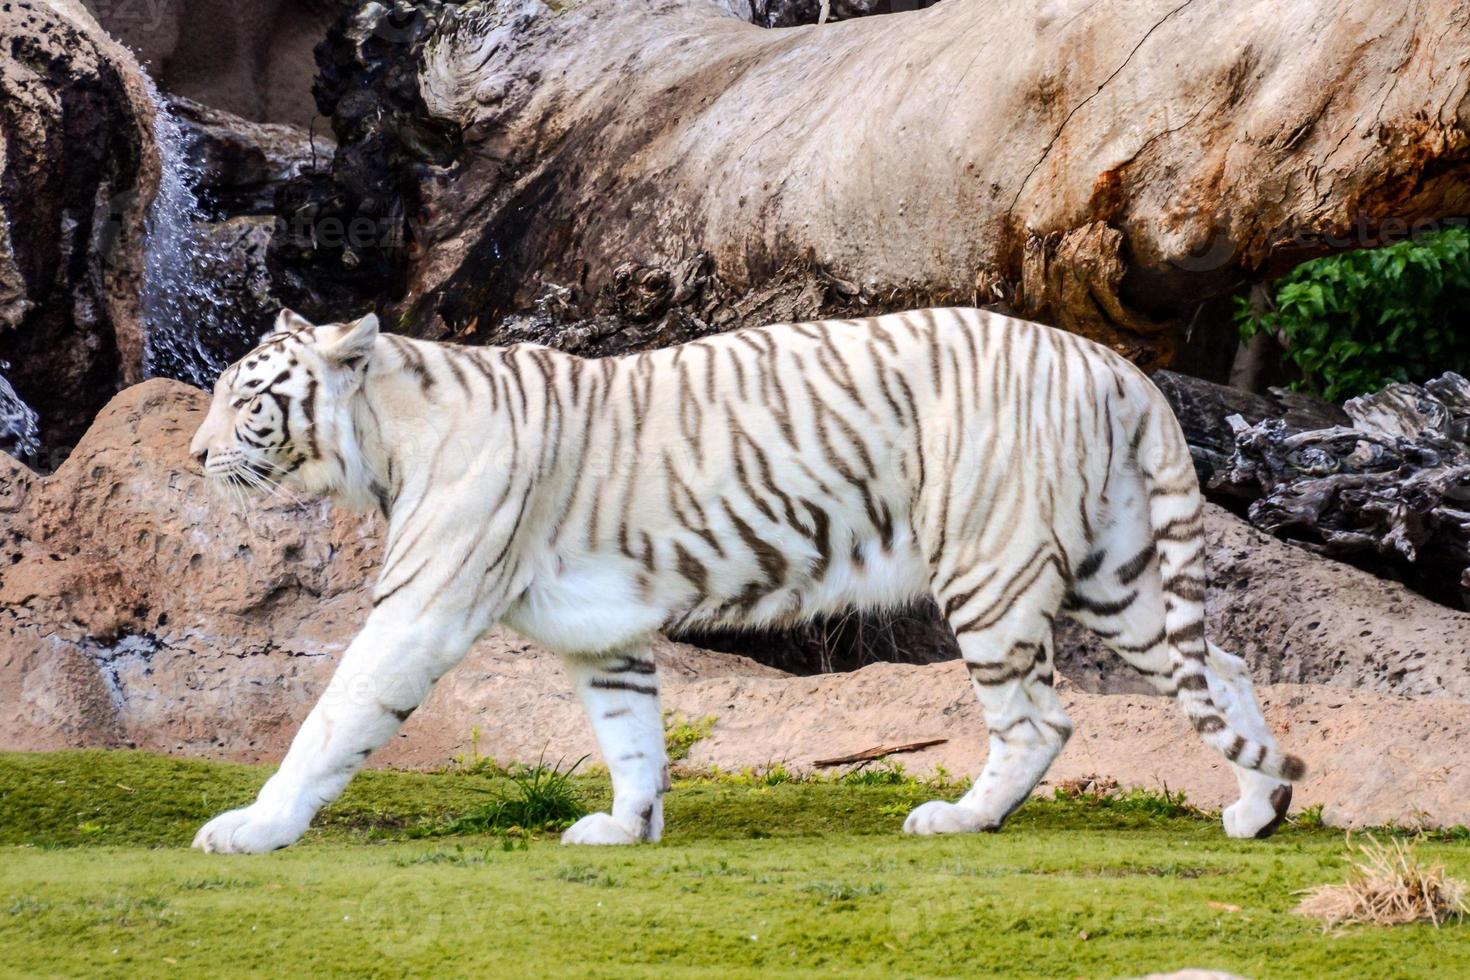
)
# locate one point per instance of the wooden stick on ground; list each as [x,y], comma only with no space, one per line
[878,752]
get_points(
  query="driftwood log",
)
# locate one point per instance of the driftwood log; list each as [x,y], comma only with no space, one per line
[1094,165]
[1391,488]
[1204,409]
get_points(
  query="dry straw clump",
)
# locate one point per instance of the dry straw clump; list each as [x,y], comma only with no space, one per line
[1390,886]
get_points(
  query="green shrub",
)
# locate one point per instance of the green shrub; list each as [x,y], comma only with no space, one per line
[1355,322]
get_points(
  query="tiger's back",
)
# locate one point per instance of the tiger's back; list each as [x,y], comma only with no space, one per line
[767,475]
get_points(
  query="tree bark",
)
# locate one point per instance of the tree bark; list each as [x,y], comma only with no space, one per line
[1105,166]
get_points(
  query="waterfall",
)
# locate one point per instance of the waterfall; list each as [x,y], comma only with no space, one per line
[179,303]
[20,434]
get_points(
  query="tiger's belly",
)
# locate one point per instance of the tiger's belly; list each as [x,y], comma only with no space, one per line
[588,607]
[610,602]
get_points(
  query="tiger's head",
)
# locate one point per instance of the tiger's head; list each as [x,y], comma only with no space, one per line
[282,414]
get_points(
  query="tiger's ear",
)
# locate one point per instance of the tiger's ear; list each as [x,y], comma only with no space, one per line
[289,321]
[354,343]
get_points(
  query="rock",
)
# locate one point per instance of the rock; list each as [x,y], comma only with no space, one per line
[243,164]
[346,233]
[790,13]
[498,147]
[1299,618]
[121,569]
[77,170]
[253,59]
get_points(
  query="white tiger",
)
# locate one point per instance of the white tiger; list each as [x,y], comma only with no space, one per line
[1009,470]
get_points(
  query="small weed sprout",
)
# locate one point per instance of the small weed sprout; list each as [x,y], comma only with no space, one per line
[1309,818]
[682,734]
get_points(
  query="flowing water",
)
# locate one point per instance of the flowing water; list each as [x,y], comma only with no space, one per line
[180,306]
[20,434]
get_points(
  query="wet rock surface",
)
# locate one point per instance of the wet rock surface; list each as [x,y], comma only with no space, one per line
[76,173]
[244,164]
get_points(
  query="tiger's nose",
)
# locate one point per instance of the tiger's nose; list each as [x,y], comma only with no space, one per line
[203,457]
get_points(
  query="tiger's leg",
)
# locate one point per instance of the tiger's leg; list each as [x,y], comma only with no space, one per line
[1010,666]
[620,693]
[384,674]
[1119,594]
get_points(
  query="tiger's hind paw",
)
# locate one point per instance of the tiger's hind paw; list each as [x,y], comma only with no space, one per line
[939,817]
[1257,816]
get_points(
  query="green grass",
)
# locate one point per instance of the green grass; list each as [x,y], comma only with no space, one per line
[756,876]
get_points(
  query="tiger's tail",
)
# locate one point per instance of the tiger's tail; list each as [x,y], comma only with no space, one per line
[1176,518]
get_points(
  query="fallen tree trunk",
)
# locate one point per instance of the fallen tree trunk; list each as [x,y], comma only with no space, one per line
[1109,167]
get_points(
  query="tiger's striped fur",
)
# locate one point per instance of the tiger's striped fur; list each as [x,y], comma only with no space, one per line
[1011,471]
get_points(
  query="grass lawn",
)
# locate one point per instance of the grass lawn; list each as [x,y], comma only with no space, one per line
[751,879]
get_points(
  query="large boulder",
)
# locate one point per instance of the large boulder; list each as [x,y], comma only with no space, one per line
[77,172]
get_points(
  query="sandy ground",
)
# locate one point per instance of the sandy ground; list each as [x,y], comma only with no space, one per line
[1373,758]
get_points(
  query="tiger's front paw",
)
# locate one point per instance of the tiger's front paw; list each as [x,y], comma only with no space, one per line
[598,828]
[249,830]
[939,817]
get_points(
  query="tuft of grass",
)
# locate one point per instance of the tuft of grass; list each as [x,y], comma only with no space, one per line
[1105,794]
[682,734]
[1389,886]
[586,874]
[541,798]
[838,891]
